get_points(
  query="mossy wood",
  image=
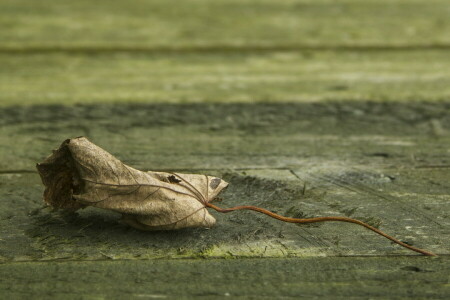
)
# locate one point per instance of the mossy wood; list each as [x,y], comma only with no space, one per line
[357,124]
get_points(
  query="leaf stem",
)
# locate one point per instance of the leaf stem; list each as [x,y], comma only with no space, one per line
[315,220]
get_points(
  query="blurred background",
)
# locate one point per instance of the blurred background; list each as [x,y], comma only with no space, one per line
[220,51]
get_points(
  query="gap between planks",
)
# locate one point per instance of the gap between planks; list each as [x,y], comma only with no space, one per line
[93,49]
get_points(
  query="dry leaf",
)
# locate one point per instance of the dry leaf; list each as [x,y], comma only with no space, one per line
[81,174]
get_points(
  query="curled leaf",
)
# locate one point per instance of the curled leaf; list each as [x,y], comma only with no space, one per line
[81,174]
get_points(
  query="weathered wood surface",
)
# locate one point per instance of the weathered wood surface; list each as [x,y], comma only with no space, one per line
[331,278]
[218,76]
[136,24]
[338,108]
[298,159]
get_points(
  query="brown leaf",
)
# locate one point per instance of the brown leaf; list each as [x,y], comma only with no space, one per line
[81,174]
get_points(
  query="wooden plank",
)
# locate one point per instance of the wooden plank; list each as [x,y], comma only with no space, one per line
[395,199]
[348,163]
[221,136]
[337,278]
[30,232]
[344,148]
[300,76]
[47,24]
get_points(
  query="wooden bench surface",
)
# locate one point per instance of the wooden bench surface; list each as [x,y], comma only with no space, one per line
[307,108]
